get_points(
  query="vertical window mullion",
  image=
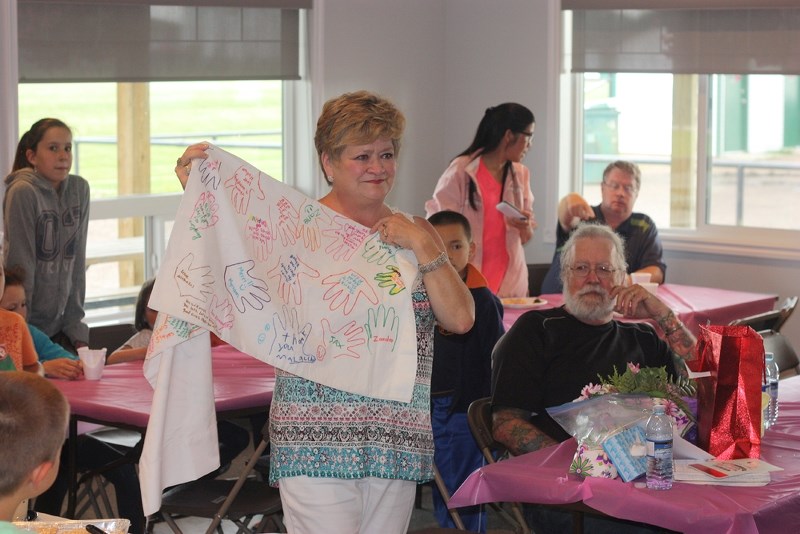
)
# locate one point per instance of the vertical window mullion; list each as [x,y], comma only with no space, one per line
[704,144]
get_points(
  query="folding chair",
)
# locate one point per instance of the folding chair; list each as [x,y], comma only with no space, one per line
[439,481]
[536,274]
[93,494]
[786,311]
[771,320]
[479,416]
[111,336]
[242,499]
[92,483]
[785,354]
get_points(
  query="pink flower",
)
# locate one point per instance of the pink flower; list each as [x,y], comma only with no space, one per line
[590,390]
[633,367]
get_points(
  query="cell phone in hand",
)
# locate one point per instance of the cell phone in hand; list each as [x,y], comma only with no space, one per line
[509,210]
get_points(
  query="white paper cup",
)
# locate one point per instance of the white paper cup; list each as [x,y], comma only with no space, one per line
[640,278]
[93,361]
[652,287]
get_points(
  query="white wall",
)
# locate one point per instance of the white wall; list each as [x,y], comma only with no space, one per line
[395,49]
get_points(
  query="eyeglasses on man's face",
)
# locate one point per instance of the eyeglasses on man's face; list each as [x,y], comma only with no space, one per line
[614,186]
[601,271]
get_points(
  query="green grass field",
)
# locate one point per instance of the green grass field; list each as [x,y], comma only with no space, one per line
[190,111]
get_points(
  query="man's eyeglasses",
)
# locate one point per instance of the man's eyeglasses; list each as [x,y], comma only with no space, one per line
[603,272]
[629,189]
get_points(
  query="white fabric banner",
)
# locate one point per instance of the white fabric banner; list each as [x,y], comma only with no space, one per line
[278,276]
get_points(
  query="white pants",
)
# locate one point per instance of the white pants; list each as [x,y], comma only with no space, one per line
[341,506]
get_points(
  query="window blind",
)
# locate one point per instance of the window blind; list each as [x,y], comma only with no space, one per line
[687,41]
[138,41]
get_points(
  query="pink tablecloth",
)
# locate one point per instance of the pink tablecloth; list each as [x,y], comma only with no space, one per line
[693,305]
[541,477]
[123,396]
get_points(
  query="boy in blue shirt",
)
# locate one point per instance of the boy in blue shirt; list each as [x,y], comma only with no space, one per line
[462,371]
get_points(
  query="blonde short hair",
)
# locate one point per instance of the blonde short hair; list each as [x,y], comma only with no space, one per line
[357,118]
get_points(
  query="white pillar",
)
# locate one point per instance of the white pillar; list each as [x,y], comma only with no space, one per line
[9,77]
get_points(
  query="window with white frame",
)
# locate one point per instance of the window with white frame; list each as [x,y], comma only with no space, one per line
[719,152]
[752,157]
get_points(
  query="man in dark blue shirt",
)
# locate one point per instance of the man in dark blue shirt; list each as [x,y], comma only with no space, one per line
[620,188]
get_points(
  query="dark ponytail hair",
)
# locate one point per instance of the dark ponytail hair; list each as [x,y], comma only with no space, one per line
[139,318]
[31,138]
[493,126]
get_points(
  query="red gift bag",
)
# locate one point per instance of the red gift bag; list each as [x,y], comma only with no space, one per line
[729,401]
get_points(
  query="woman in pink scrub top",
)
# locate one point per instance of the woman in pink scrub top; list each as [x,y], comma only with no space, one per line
[484,174]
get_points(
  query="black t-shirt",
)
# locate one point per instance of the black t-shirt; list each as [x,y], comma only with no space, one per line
[548,356]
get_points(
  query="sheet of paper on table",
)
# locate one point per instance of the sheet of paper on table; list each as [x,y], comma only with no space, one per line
[739,472]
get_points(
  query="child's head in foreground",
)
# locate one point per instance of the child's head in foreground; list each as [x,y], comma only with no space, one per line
[456,233]
[33,426]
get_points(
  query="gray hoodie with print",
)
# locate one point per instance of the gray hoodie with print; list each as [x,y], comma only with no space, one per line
[45,234]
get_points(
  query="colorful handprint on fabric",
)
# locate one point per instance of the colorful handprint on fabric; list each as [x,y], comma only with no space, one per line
[205,214]
[382,327]
[312,220]
[246,290]
[346,289]
[378,251]
[209,173]
[261,236]
[287,222]
[341,342]
[168,327]
[347,237]
[391,278]
[195,282]
[241,187]
[221,314]
[288,273]
[290,340]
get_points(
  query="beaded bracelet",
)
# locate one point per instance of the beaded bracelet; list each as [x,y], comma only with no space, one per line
[435,263]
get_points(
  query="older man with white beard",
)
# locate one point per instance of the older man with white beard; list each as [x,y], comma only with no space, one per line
[548,356]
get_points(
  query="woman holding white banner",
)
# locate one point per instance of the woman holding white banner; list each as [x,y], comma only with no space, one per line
[348,462]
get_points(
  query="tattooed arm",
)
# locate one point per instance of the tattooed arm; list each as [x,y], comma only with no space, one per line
[680,339]
[636,302]
[512,428]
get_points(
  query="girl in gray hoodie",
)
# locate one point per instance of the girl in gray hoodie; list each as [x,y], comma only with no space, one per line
[46,215]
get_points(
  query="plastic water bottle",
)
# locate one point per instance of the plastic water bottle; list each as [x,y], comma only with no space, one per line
[773,374]
[659,449]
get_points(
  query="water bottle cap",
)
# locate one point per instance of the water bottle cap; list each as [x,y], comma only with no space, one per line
[769,356]
[659,409]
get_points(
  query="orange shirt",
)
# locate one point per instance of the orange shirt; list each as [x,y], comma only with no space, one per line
[16,340]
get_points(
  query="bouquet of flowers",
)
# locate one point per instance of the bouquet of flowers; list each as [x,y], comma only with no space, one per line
[610,416]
